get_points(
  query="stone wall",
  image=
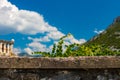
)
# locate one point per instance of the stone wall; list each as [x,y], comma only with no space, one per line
[60,74]
[60,63]
[72,68]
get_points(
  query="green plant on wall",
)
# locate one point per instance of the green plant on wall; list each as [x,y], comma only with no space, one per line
[78,50]
[57,49]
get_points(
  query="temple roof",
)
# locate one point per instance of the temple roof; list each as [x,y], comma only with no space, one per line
[8,42]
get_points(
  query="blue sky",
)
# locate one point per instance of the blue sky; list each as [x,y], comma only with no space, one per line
[32,23]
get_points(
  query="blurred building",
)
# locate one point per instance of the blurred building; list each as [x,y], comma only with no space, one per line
[6,47]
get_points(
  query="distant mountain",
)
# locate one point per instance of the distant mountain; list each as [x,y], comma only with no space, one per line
[110,37]
[28,55]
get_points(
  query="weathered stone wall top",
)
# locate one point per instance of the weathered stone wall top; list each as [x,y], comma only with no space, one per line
[60,63]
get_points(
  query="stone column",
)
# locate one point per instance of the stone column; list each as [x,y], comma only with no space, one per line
[8,48]
[4,47]
[11,48]
[0,47]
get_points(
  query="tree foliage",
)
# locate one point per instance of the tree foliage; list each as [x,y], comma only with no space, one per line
[78,50]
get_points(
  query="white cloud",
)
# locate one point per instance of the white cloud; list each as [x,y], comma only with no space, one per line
[55,35]
[28,50]
[41,39]
[98,31]
[17,50]
[15,20]
[37,46]
[72,40]
[81,41]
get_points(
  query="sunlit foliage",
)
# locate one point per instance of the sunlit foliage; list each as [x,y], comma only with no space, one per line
[78,50]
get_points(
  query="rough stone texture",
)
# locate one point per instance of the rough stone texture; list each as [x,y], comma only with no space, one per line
[53,74]
[60,63]
[72,68]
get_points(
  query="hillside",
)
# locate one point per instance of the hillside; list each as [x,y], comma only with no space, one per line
[105,44]
[110,37]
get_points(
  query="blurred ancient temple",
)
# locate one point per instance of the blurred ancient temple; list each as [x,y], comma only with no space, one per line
[6,48]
